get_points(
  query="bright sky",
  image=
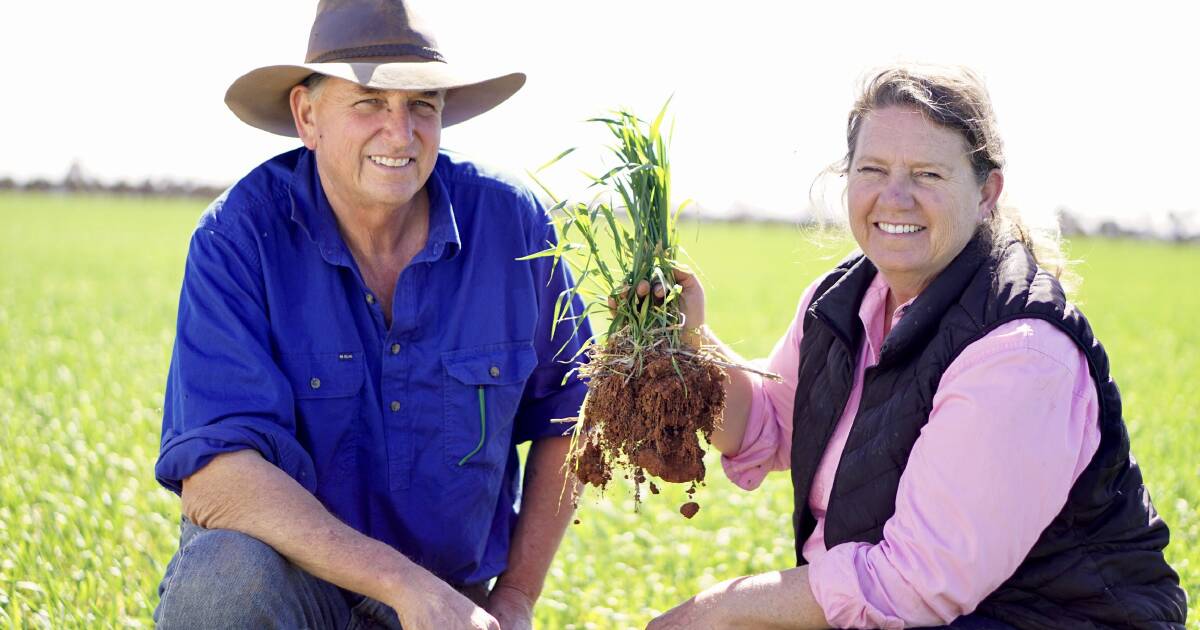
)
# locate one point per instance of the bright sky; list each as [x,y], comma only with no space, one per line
[1097,105]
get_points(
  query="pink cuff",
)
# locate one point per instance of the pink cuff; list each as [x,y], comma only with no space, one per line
[833,578]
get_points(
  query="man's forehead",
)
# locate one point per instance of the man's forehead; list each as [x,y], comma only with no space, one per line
[378,91]
[355,88]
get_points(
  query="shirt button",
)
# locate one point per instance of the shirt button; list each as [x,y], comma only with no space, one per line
[395,405]
[315,383]
[494,371]
[395,348]
[370,299]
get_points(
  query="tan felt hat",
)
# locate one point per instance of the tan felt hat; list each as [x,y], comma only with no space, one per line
[381,44]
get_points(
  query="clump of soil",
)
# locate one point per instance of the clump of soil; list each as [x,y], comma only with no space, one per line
[647,421]
[689,509]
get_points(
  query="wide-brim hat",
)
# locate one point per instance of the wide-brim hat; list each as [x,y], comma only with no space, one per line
[381,44]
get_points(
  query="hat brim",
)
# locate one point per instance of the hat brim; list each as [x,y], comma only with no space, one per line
[261,97]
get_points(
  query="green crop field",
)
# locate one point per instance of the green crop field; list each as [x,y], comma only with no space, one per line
[88,289]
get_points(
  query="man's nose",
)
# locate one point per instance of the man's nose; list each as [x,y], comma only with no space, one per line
[399,124]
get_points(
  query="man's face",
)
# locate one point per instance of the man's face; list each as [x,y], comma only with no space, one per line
[375,149]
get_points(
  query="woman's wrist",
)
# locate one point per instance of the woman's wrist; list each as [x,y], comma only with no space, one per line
[697,336]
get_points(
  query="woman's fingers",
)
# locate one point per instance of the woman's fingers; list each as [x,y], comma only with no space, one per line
[644,288]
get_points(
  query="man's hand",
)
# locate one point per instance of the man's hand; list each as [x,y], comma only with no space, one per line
[436,606]
[512,608]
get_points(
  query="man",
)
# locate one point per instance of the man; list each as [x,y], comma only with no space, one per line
[359,351]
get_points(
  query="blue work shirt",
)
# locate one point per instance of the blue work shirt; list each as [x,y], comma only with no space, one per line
[407,434]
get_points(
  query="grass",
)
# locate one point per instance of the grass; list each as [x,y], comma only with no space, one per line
[88,289]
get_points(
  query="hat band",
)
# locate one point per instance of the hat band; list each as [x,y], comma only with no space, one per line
[380,50]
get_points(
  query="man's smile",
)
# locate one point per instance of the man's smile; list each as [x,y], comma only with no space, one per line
[383,160]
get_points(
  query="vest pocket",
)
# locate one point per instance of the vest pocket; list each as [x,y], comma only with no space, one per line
[482,388]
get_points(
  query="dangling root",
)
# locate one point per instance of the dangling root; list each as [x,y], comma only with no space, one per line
[643,413]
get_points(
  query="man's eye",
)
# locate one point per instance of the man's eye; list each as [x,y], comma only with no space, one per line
[870,169]
[371,102]
[426,105]
[928,175]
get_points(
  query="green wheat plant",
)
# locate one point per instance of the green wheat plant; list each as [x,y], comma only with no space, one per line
[651,386]
[626,232]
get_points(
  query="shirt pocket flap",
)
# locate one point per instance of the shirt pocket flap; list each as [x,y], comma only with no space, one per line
[324,375]
[503,364]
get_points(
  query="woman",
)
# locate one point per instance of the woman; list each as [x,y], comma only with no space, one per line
[954,438]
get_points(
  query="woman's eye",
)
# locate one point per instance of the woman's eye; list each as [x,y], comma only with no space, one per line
[870,169]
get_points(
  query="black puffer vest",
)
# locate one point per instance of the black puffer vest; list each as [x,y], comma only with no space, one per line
[1099,563]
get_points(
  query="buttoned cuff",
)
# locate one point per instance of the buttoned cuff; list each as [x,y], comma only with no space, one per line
[838,588]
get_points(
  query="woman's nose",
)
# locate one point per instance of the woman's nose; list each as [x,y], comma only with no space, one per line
[898,192]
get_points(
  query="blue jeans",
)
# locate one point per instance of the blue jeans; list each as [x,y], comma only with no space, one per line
[220,578]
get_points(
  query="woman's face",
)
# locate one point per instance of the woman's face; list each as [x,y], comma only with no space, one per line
[914,201]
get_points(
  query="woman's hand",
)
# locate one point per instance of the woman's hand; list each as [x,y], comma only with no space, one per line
[691,298]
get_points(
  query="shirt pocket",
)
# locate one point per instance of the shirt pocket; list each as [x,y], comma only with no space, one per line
[327,388]
[482,388]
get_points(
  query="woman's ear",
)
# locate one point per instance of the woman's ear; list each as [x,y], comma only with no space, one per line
[990,192]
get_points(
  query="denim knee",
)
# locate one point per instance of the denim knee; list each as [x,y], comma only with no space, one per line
[225,579]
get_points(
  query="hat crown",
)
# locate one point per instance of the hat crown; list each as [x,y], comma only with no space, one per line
[369,31]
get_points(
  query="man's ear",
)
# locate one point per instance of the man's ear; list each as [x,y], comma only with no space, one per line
[302,113]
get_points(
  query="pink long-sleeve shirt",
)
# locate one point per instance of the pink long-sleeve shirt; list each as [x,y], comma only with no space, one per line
[1014,423]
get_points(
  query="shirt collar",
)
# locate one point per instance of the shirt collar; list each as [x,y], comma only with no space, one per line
[312,212]
[443,241]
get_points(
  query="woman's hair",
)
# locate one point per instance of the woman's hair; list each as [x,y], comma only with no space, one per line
[955,97]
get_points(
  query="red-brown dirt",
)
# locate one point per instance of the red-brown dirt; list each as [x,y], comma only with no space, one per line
[648,423]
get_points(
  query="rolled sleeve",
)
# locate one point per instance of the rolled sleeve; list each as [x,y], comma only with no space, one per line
[839,580]
[553,395]
[224,390]
[183,455]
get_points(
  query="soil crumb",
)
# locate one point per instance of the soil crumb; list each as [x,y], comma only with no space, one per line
[689,509]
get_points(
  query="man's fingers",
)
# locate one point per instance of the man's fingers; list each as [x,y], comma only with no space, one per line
[643,288]
[660,291]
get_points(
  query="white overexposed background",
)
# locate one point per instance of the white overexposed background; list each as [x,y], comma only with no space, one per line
[1097,102]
